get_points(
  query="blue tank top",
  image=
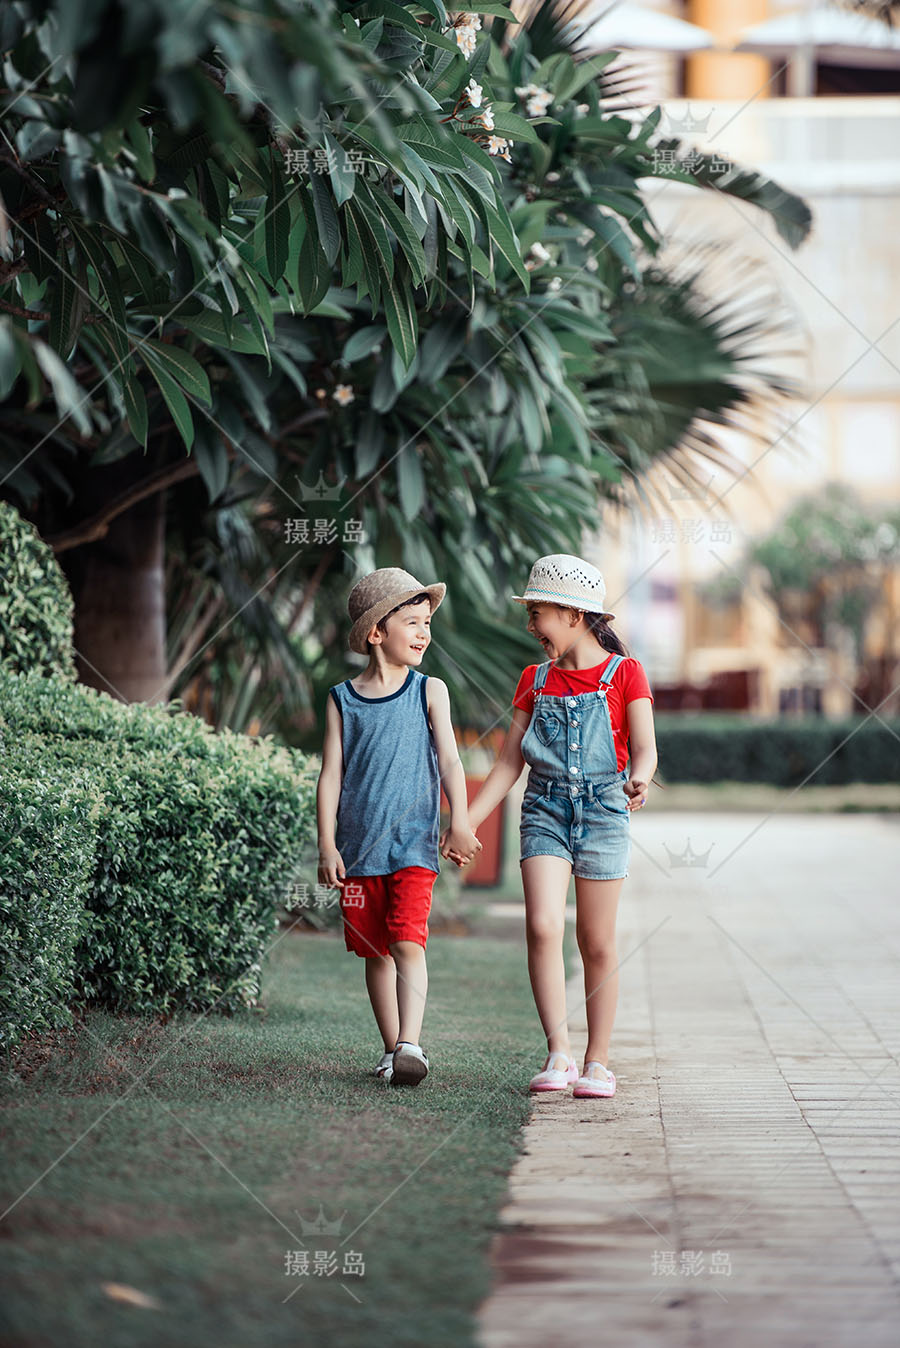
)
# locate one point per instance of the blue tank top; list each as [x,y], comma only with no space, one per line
[389,810]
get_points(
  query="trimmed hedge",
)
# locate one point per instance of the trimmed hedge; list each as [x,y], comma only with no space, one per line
[48,841]
[36,607]
[711,748]
[192,836]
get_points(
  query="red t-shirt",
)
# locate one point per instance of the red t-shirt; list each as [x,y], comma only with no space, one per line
[628,682]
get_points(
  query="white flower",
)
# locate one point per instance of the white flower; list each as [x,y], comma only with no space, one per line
[592,263]
[538,255]
[538,99]
[466,27]
[343,394]
[585,237]
[356,21]
[536,107]
[582,109]
[555,284]
[487,117]
[497,145]
[552,177]
[473,92]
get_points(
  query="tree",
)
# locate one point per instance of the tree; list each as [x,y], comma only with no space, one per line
[514,351]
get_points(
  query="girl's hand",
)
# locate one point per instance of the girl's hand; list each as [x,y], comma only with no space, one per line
[637,790]
[461,845]
[331,868]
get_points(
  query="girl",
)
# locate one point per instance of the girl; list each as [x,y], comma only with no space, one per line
[575,718]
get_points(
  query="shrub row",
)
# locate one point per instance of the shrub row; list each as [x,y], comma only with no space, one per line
[710,748]
[145,855]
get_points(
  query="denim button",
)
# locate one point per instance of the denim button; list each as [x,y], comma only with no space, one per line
[573,770]
[572,702]
[573,746]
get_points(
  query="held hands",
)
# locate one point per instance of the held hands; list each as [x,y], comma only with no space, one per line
[331,868]
[637,791]
[460,844]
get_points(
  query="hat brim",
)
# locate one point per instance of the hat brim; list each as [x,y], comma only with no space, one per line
[542,599]
[362,627]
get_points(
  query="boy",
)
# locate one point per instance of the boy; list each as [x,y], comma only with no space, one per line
[389,744]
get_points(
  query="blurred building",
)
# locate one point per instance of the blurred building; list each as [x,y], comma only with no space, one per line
[822,118]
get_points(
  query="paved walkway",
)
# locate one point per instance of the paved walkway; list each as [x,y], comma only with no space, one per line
[743,1185]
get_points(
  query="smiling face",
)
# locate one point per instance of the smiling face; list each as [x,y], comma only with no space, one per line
[555,627]
[406,634]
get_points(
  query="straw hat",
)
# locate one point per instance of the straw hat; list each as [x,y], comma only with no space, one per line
[376,594]
[563,579]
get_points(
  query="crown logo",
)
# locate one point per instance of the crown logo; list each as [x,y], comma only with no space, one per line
[682,126]
[321,491]
[688,492]
[688,857]
[321,1226]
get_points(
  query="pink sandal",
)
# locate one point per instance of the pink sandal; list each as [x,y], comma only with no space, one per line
[590,1086]
[554,1079]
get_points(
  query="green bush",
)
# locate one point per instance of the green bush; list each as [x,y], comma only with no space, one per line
[711,748]
[36,608]
[48,841]
[197,836]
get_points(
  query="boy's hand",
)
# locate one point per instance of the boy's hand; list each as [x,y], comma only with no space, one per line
[637,790]
[460,844]
[331,868]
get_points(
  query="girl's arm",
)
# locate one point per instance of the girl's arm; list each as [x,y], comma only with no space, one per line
[642,746]
[505,772]
[453,777]
[328,794]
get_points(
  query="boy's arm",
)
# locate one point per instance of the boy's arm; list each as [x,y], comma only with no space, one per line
[642,748]
[328,794]
[453,776]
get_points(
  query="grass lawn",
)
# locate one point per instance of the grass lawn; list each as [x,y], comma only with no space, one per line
[187,1187]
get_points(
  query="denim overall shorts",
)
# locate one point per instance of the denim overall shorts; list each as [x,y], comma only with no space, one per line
[574,806]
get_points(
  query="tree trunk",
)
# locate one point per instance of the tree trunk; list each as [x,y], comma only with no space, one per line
[118,584]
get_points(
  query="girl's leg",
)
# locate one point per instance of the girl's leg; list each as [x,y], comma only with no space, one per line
[381,983]
[412,988]
[595,927]
[545,880]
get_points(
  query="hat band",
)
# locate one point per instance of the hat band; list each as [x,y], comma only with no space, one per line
[559,594]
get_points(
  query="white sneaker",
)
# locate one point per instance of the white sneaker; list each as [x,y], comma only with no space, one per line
[410,1065]
[384,1069]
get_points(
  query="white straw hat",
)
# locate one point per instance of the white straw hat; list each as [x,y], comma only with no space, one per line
[563,579]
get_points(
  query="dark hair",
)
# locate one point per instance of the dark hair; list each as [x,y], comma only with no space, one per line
[382,622]
[602,631]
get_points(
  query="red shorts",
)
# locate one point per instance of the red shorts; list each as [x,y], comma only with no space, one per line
[380,909]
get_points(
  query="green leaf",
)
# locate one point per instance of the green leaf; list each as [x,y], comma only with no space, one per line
[175,400]
[182,366]
[410,482]
[277,220]
[363,342]
[10,360]
[136,409]
[210,328]
[68,396]
[326,218]
[400,313]
[504,239]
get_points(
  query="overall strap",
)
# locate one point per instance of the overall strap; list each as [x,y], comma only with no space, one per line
[540,675]
[609,671]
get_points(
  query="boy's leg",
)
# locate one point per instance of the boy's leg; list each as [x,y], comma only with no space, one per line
[407,925]
[412,988]
[381,983]
[364,902]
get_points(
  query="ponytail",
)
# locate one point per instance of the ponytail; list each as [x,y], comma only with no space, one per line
[604,633]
